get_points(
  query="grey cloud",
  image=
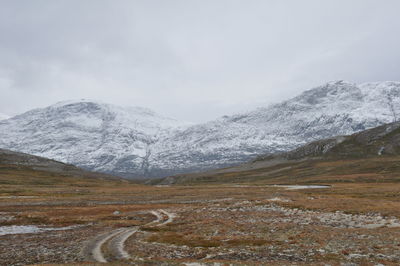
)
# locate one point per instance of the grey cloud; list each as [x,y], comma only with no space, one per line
[177,57]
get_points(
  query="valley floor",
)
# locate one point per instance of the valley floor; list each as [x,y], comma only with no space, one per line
[346,224]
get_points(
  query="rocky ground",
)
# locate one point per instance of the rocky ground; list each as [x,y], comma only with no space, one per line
[255,232]
[350,224]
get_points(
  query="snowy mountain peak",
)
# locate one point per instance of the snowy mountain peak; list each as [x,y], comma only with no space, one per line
[93,135]
[135,141]
[91,104]
[333,109]
[340,82]
[335,90]
[131,116]
[69,102]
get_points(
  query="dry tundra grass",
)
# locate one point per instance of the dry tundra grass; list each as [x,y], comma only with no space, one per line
[246,223]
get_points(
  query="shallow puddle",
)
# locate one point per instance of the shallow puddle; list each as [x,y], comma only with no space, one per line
[29,229]
[293,187]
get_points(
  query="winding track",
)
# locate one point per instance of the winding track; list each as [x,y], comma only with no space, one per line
[116,239]
[116,244]
[158,219]
[92,250]
[170,217]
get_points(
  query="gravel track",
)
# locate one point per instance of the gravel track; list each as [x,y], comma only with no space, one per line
[116,239]
[92,251]
[116,244]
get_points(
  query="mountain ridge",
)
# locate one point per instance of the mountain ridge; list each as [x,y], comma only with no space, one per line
[90,135]
[372,155]
[318,113]
[137,142]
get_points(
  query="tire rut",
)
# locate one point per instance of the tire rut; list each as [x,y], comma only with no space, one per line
[116,239]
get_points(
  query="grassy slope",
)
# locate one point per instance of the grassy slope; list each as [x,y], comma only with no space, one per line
[23,174]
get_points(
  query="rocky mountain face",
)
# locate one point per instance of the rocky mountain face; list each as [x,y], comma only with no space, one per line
[136,142]
[94,136]
[379,141]
[367,154]
[336,108]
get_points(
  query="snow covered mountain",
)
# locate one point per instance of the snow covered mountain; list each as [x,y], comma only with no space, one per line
[336,108]
[136,142]
[92,135]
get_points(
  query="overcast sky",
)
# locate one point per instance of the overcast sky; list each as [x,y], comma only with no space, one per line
[192,60]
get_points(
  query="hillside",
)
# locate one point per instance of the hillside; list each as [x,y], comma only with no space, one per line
[95,136]
[336,108]
[369,156]
[24,169]
[136,142]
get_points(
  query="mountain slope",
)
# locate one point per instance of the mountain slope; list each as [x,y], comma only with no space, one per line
[372,155]
[22,168]
[336,108]
[136,142]
[92,135]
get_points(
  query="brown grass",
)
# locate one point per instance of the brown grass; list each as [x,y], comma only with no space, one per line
[80,201]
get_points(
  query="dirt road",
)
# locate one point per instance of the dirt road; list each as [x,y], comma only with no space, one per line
[116,239]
